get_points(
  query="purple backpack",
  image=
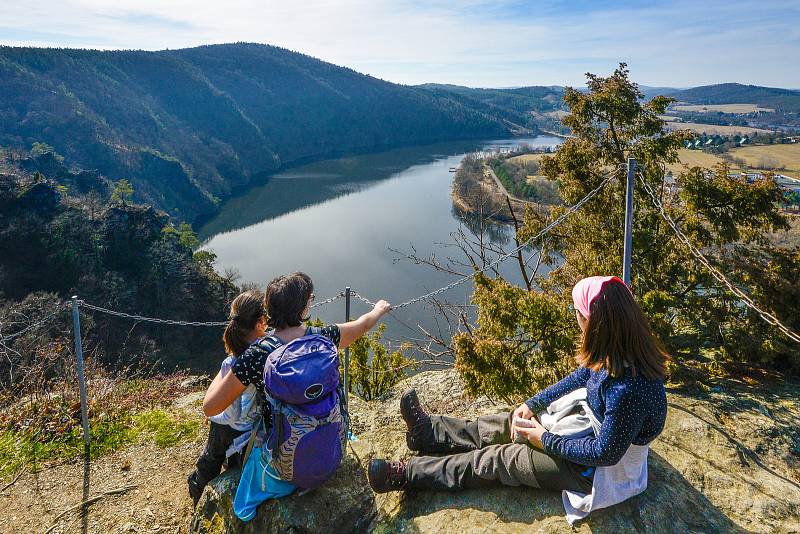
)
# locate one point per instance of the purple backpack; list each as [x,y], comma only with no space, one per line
[307,438]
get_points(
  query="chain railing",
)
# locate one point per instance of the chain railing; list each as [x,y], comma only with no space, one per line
[716,273]
[141,318]
[503,257]
[348,293]
[176,322]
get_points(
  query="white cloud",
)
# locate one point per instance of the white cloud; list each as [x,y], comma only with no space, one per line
[472,42]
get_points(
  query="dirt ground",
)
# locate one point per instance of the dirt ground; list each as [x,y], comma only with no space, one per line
[155,498]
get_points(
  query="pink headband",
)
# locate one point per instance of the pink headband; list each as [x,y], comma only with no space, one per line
[587,290]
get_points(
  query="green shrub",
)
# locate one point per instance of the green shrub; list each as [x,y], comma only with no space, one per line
[523,341]
[374,369]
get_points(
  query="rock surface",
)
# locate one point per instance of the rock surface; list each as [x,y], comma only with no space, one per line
[727,461]
[344,504]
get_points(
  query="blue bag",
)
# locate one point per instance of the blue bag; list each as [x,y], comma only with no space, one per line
[259,482]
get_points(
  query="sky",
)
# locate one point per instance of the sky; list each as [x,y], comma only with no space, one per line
[477,43]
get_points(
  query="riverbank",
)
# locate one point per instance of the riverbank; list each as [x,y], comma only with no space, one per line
[477,191]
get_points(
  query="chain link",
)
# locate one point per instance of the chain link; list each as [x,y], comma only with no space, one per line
[327,301]
[572,209]
[84,304]
[157,320]
[363,299]
[766,316]
[59,309]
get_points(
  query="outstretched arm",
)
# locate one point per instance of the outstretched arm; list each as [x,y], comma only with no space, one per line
[352,330]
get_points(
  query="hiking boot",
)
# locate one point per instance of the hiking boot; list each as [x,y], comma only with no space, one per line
[387,476]
[195,489]
[418,422]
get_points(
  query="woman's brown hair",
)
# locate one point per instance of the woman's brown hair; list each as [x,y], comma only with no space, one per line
[618,335]
[246,310]
[286,299]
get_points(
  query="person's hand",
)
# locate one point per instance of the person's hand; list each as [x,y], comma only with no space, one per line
[533,434]
[523,412]
[382,307]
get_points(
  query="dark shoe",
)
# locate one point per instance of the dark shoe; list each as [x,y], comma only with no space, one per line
[387,476]
[418,422]
[411,410]
[195,489]
[234,461]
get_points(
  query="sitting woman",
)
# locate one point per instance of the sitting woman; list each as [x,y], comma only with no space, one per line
[622,368]
[287,302]
[246,323]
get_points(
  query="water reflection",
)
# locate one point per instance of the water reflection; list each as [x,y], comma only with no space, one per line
[320,181]
[343,220]
[478,224]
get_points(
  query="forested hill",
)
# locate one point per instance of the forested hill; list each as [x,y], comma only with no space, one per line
[736,93]
[187,126]
[522,105]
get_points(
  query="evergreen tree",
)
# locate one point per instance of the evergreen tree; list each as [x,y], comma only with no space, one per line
[523,339]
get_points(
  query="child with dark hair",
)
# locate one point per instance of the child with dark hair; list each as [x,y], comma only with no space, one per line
[246,324]
[287,302]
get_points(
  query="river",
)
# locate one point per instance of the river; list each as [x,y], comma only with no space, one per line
[350,222]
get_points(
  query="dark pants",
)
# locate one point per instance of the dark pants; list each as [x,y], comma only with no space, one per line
[480,453]
[209,465]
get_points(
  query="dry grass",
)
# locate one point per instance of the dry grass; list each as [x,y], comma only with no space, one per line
[710,129]
[694,158]
[771,157]
[160,503]
[524,158]
[724,108]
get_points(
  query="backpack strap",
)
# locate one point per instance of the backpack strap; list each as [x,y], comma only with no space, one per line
[252,440]
[345,436]
[268,343]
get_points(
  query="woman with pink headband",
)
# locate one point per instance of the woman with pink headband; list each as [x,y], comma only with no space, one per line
[616,398]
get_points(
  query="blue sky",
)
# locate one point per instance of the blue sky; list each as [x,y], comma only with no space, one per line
[497,43]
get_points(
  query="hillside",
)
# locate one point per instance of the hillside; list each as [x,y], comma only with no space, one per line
[517,105]
[111,253]
[186,127]
[735,93]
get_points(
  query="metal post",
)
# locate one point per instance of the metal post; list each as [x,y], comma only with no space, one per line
[76,324]
[626,259]
[347,351]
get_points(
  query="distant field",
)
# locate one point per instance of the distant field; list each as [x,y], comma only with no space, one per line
[527,157]
[766,157]
[694,158]
[788,238]
[689,158]
[723,108]
[771,157]
[711,129]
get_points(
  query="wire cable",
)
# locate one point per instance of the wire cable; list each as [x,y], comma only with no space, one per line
[765,315]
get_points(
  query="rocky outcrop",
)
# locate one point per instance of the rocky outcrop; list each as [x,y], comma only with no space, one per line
[728,461]
[345,504]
